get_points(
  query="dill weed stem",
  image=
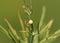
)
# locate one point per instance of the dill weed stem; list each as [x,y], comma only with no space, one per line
[31,36]
[28,10]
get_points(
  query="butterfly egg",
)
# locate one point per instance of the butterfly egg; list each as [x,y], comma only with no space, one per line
[30,22]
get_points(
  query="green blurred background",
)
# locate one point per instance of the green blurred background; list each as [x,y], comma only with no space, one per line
[9,9]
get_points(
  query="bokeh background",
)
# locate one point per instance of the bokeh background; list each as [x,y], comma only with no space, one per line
[9,9]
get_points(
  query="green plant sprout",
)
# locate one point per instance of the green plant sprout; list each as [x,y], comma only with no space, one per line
[28,32]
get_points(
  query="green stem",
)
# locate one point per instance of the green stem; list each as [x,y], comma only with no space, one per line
[38,36]
[32,36]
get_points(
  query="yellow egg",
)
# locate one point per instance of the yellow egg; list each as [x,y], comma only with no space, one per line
[30,22]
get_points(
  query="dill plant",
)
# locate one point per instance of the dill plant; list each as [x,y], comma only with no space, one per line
[28,32]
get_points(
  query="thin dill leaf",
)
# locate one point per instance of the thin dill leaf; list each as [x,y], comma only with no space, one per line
[12,30]
[42,17]
[47,27]
[44,33]
[21,21]
[52,37]
[41,22]
[22,24]
[4,31]
[12,37]
[57,32]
